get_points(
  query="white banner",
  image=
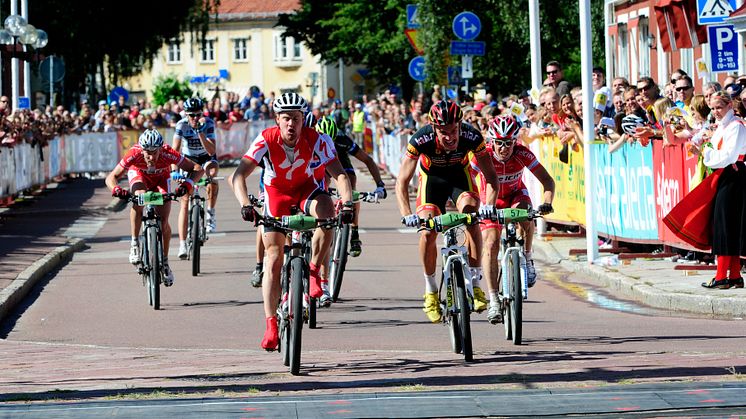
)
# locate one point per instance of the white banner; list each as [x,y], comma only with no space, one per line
[91,152]
[7,171]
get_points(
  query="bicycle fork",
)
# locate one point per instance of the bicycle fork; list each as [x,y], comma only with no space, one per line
[450,254]
[504,271]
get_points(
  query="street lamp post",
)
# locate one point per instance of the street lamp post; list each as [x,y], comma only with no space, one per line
[17,30]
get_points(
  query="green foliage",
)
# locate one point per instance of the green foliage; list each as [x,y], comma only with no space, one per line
[170,87]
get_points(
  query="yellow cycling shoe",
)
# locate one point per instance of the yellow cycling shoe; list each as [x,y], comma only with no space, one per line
[432,307]
[480,301]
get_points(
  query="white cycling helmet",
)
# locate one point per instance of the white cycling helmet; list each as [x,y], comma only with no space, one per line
[631,122]
[289,102]
[151,140]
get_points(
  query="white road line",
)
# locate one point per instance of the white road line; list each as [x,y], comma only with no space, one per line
[85,227]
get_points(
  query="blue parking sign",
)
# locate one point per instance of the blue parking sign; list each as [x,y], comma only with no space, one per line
[723,47]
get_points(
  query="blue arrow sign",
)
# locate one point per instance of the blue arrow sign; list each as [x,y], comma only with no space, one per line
[417,68]
[413,22]
[466,25]
[467,48]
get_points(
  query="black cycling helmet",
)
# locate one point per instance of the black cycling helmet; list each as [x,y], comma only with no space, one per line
[193,104]
[445,112]
[310,120]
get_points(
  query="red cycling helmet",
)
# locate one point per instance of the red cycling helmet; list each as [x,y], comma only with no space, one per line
[503,127]
[445,112]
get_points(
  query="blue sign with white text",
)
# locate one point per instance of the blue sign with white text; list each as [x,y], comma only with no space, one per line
[413,22]
[723,48]
[417,68]
[467,48]
[466,25]
[714,11]
[24,103]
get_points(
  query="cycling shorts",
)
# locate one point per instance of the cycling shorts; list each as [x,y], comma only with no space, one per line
[288,202]
[435,188]
[511,201]
[159,183]
[203,159]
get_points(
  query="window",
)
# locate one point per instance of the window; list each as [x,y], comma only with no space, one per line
[240,51]
[623,51]
[208,51]
[287,49]
[644,42]
[687,61]
[173,55]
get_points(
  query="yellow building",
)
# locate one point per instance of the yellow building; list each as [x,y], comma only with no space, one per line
[244,49]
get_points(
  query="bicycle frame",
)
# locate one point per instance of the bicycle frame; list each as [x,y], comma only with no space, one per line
[451,251]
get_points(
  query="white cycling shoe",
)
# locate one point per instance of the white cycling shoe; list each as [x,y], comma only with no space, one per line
[134,253]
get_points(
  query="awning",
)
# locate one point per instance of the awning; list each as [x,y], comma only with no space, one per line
[677,23]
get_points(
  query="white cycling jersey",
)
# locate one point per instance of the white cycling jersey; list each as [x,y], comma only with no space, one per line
[190,144]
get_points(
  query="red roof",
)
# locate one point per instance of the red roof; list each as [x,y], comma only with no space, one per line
[741,11]
[257,7]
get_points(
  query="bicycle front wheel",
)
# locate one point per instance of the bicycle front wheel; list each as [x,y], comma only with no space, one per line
[452,319]
[282,318]
[154,275]
[194,221]
[339,259]
[463,308]
[516,298]
[297,272]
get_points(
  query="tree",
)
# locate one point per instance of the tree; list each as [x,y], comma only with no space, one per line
[169,87]
[123,38]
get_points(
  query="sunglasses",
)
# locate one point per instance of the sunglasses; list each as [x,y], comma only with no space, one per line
[504,143]
[194,115]
[552,72]
[151,149]
[673,81]
[646,87]
[682,88]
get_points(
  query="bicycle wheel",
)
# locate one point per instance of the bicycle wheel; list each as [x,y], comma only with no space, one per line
[282,318]
[154,275]
[516,298]
[145,267]
[463,308]
[194,221]
[297,272]
[339,259]
[452,319]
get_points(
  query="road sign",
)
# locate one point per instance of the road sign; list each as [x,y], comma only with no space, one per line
[454,76]
[117,92]
[54,64]
[723,48]
[467,48]
[413,21]
[417,68]
[467,70]
[24,102]
[415,40]
[714,11]
[466,25]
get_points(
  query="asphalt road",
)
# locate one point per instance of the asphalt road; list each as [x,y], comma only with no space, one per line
[89,329]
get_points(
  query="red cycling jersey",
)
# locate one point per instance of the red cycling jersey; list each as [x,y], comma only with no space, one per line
[154,177]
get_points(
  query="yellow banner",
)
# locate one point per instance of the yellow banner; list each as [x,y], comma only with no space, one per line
[568,170]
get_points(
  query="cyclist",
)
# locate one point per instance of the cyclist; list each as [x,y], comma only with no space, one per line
[442,149]
[346,148]
[195,137]
[147,165]
[256,277]
[509,159]
[292,155]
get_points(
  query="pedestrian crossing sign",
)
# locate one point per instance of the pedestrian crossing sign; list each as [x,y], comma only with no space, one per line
[710,12]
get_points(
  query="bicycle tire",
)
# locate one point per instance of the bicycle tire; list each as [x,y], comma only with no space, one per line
[154,289]
[297,273]
[516,298]
[283,326]
[464,309]
[339,260]
[145,264]
[452,320]
[194,221]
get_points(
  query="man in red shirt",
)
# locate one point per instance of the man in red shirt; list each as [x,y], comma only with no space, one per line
[292,156]
[148,167]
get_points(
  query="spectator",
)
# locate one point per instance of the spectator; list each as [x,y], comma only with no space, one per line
[556,78]
[619,83]
[359,118]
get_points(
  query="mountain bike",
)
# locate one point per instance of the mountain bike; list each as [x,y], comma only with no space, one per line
[341,242]
[513,271]
[295,306]
[150,265]
[196,227]
[456,302]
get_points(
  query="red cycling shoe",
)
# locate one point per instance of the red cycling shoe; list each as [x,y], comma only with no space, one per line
[271,338]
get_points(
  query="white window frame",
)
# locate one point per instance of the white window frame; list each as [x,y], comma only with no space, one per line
[173,50]
[287,49]
[237,49]
[687,61]
[644,42]
[207,55]
[623,57]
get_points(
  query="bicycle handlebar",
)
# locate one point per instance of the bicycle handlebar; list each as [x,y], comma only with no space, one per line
[358,196]
[453,219]
[150,198]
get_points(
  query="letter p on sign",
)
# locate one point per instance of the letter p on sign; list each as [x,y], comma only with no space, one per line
[723,35]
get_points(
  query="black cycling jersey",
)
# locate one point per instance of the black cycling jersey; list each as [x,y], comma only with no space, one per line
[345,148]
[424,146]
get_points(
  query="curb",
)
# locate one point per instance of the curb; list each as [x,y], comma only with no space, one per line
[635,289]
[26,280]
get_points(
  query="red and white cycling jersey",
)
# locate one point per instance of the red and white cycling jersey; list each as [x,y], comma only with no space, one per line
[287,168]
[509,173]
[134,160]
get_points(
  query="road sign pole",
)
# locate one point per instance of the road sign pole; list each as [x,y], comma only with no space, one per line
[586,66]
[51,81]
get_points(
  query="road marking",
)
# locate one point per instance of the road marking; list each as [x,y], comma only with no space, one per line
[206,250]
[406,230]
[85,227]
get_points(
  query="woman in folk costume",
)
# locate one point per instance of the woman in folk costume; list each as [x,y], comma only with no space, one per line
[713,215]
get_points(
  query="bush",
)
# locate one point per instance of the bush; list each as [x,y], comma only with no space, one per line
[169,87]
